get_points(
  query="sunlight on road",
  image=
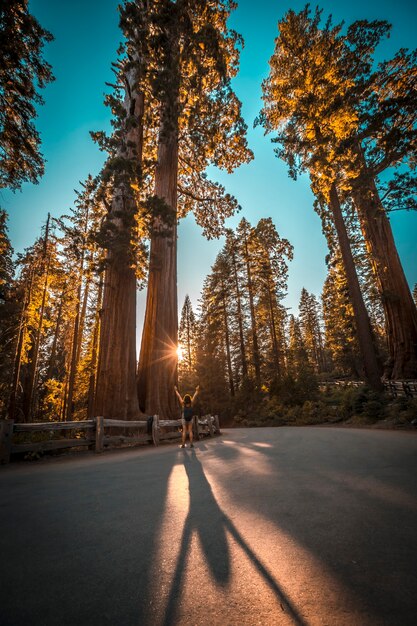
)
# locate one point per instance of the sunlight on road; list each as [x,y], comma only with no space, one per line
[209,561]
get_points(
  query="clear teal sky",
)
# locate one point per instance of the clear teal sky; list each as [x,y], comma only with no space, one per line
[86,38]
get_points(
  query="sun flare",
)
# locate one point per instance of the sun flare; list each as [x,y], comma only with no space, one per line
[180,355]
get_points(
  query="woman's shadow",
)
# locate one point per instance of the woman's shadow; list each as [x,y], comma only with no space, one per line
[211,524]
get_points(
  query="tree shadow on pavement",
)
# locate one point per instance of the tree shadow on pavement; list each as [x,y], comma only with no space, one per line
[340,495]
[211,524]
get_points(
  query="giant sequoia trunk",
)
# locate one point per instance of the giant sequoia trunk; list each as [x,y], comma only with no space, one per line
[399,308]
[157,373]
[363,325]
[115,395]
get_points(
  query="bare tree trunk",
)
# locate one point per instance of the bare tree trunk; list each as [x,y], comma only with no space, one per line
[56,334]
[18,354]
[240,319]
[82,317]
[73,359]
[28,404]
[157,373]
[363,325]
[94,352]
[275,348]
[399,307]
[76,342]
[190,363]
[255,345]
[227,344]
[116,394]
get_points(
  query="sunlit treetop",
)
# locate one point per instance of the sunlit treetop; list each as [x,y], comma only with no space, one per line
[325,94]
[189,90]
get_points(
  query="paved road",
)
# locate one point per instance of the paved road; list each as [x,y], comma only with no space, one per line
[261,526]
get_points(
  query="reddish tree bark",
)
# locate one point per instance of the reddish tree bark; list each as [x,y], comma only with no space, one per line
[399,307]
[116,395]
[363,325]
[157,372]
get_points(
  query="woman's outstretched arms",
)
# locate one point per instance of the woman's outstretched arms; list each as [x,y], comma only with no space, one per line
[197,390]
[178,395]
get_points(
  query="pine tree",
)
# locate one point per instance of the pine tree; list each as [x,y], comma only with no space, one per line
[116,391]
[199,116]
[297,105]
[271,254]
[231,250]
[341,342]
[9,312]
[310,328]
[345,123]
[186,336]
[80,257]
[23,71]
[210,353]
[246,236]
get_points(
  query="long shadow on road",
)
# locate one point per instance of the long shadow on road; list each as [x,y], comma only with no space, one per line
[348,498]
[211,524]
[79,540]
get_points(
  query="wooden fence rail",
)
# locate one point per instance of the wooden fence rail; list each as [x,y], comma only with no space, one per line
[92,433]
[395,388]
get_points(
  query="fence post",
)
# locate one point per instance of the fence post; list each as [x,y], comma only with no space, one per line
[155,430]
[99,433]
[6,435]
[210,424]
[217,423]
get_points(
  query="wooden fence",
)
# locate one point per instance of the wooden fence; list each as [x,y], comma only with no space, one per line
[395,388]
[91,433]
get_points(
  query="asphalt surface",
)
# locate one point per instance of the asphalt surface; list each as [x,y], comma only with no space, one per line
[259,526]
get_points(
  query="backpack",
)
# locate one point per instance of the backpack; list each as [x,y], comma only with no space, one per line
[188,413]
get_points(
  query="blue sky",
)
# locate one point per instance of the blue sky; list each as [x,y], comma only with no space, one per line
[86,38]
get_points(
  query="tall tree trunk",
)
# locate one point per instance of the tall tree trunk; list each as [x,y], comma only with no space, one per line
[240,318]
[399,307]
[33,367]
[363,325]
[157,372]
[76,342]
[116,394]
[18,353]
[275,348]
[73,359]
[52,356]
[227,344]
[190,360]
[94,351]
[255,345]
[83,313]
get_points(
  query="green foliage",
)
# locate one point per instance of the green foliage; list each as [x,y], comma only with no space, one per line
[22,73]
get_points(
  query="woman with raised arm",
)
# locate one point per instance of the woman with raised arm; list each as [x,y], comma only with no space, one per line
[187,403]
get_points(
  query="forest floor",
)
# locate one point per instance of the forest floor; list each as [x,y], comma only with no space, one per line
[307,526]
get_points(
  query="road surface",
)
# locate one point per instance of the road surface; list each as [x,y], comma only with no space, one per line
[305,526]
